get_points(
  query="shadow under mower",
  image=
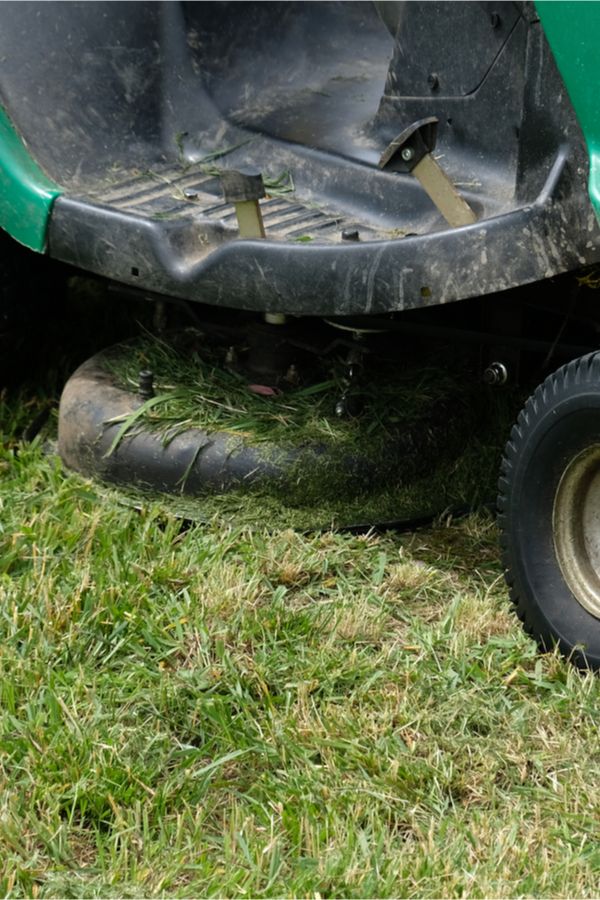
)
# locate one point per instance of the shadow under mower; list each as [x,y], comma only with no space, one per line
[305,176]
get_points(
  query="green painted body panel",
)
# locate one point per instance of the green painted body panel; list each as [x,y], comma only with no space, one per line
[573,32]
[26,193]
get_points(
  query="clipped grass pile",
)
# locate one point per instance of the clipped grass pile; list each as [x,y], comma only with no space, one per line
[198,390]
[429,437]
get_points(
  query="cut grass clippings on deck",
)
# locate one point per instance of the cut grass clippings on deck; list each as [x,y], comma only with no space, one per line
[428,439]
[200,392]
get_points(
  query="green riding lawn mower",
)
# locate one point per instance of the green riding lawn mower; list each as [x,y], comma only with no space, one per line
[365,229]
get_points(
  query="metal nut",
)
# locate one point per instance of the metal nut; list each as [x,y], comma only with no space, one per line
[495,374]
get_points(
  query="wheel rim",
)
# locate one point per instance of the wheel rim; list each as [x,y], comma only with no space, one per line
[576,528]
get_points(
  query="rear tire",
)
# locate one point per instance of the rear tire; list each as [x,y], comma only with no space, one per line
[549,512]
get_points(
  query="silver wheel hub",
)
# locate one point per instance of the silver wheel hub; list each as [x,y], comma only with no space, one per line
[576,528]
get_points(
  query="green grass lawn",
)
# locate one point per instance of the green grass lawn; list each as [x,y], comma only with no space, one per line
[231,711]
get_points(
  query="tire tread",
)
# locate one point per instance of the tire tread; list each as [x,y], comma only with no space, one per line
[581,371]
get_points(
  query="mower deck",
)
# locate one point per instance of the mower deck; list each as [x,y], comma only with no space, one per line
[223,445]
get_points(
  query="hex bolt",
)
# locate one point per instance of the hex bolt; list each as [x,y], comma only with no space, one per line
[350,234]
[433,80]
[146,384]
[407,154]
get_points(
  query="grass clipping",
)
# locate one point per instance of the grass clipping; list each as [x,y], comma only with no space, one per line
[429,436]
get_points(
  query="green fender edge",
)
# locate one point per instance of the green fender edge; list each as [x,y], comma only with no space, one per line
[573,32]
[26,192]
